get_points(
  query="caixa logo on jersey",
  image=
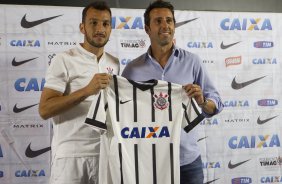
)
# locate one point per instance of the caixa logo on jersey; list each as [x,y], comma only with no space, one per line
[124,61]
[241,180]
[263,44]
[32,84]
[267,102]
[208,165]
[236,103]
[127,22]
[259,141]
[264,61]
[25,43]
[30,173]
[271,179]
[200,45]
[145,132]
[246,24]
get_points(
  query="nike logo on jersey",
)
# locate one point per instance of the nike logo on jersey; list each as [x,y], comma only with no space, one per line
[208,182]
[18,63]
[30,24]
[178,24]
[260,122]
[123,102]
[222,46]
[34,153]
[18,110]
[232,166]
[236,85]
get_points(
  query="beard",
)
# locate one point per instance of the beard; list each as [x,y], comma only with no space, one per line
[95,44]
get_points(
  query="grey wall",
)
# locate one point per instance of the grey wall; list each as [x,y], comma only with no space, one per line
[212,5]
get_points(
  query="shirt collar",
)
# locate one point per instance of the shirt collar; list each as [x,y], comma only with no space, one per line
[87,53]
[175,52]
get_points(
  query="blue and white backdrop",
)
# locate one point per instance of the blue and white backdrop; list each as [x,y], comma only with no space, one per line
[242,52]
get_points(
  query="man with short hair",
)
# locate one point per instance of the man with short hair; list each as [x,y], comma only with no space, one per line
[165,61]
[72,78]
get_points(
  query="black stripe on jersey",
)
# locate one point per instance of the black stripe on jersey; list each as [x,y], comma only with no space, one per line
[169,101]
[96,123]
[185,113]
[136,163]
[120,162]
[154,164]
[134,104]
[152,105]
[92,121]
[171,164]
[194,123]
[117,97]
[195,108]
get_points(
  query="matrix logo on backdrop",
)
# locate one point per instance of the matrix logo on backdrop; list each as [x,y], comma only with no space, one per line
[246,24]
[25,43]
[145,132]
[33,84]
[259,141]
[271,179]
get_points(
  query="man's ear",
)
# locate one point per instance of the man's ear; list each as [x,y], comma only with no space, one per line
[81,28]
[147,29]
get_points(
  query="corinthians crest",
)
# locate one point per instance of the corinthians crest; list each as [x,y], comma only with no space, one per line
[161,101]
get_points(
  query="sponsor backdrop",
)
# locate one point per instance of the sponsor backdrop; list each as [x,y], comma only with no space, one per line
[242,52]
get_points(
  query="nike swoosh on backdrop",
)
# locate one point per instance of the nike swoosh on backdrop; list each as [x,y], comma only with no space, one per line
[222,46]
[31,153]
[208,182]
[18,63]
[236,85]
[260,122]
[178,24]
[123,102]
[17,110]
[232,166]
[30,24]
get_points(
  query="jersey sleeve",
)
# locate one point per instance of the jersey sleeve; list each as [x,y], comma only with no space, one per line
[97,115]
[192,115]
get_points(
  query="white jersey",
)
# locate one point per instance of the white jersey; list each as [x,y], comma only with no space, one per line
[143,122]
[69,72]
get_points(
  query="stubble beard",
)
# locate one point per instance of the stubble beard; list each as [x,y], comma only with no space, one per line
[94,44]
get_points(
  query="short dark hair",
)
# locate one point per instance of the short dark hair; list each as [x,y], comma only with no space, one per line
[98,5]
[157,4]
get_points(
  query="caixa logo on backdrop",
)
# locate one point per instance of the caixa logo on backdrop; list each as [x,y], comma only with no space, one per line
[25,43]
[263,44]
[125,61]
[241,180]
[210,121]
[207,165]
[30,173]
[127,22]
[32,84]
[254,141]
[200,45]
[263,61]
[267,102]
[236,103]
[246,24]
[271,179]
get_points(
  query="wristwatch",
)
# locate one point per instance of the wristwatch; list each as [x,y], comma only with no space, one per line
[204,103]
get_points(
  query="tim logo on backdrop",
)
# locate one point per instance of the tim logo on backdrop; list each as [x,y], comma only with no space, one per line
[241,180]
[246,24]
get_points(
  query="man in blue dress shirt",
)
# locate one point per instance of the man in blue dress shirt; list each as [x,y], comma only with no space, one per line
[165,61]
